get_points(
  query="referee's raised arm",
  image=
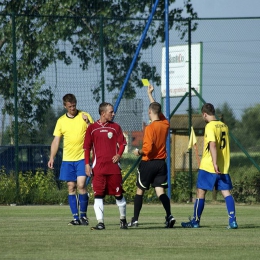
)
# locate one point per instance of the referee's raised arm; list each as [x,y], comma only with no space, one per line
[150,89]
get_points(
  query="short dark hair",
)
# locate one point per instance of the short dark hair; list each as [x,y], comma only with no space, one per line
[103,106]
[208,109]
[155,107]
[69,98]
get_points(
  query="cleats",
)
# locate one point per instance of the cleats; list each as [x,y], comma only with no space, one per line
[133,223]
[84,221]
[123,224]
[74,222]
[232,225]
[170,221]
[191,224]
[99,226]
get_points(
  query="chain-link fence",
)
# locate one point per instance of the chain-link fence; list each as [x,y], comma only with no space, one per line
[44,57]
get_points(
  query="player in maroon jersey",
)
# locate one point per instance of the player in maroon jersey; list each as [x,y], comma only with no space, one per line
[106,141]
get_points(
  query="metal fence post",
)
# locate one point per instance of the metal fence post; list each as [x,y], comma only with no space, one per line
[15,104]
[190,106]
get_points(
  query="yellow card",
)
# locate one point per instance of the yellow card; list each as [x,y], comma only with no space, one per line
[146,82]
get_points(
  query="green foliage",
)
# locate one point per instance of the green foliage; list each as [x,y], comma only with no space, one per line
[181,187]
[227,115]
[243,191]
[249,127]
[7,188]
[245,181]
[41,25]
[40,188]
[256,181]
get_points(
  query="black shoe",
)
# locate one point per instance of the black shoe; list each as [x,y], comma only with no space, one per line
[74,222]
[170,221]
[99,226]
[84,221]
[123,224]
[133,223]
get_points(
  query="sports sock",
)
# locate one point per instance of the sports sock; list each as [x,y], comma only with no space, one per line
[83,204]
[230,203]
[138,203]
[122,207]
[99,209]
[73,202]
[198,209]
[166,204]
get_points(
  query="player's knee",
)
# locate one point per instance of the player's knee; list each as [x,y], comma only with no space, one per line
[120,201]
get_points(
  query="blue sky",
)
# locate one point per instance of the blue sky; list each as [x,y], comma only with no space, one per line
[224,8]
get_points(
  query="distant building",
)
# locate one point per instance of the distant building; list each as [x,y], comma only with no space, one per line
[134,139]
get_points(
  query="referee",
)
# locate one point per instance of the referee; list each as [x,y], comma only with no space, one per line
[152,170]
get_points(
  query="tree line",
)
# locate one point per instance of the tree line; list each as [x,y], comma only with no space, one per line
[38,27]
[245,129]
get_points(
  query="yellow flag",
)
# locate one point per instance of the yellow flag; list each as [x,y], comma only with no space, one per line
[193,139]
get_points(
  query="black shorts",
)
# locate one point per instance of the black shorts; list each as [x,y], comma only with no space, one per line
[152,173]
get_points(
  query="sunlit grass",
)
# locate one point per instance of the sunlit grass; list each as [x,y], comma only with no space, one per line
[41,232]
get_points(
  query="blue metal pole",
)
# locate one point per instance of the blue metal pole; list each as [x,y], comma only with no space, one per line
[136,55]
[133,62]
[168,147]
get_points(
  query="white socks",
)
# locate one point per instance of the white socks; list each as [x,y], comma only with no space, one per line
[99,210]
[122,207]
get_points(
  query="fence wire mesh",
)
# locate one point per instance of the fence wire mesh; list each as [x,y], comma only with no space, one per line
[90,58]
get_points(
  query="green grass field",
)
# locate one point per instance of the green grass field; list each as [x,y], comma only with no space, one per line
[41,232]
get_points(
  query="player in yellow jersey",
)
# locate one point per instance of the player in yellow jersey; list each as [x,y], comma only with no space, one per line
[72,127]
[214,166]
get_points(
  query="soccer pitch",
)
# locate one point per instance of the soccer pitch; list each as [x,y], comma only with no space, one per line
[41,232]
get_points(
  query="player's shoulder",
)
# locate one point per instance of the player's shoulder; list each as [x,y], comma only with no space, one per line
[94,125]
[62,117]
[216,124]
[113,124]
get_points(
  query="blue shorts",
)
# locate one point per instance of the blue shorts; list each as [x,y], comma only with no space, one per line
[207,181]
[69,171]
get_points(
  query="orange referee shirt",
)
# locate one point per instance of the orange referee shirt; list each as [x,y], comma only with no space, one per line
[154,141]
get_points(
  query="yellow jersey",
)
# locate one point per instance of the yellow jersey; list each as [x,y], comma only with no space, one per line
[73,132]
[216,131]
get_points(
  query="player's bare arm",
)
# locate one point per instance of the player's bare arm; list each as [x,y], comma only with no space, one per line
[116,158]
[137,152]
[88,170]
[54,149]
[213,152]
[150,90]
